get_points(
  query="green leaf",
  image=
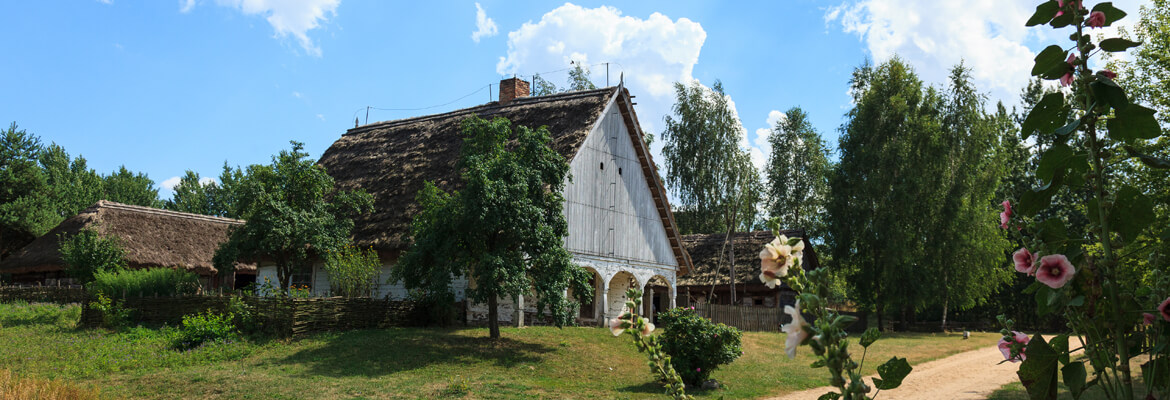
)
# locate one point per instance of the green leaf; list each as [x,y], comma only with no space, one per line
[1062,21]
[1107,90]
[1048,114]
[1054,159]
[892,373]
[1070,128]
[1042,296]
[1038,371]
[1051,62]
[819,363]
[830,396]
[1155,371]
[871,335]
[1134,122]
[843,321]
[1052,232]
[1149,161]
[1132,212]
[1076,301]
[1114,45]
[1112,14]
[1060,346]
[1074,377]
[1032,201]
[1044,13]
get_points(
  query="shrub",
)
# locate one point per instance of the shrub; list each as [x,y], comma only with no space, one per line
[353,272]
[87,253]
[696,345]
[114,316]
[145,282]
[15,387]
[201,328]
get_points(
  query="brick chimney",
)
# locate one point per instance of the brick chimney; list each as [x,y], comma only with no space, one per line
[512,88]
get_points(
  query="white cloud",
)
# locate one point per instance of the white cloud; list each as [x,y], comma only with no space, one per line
[288,17]
[652,53]
[321,117]
[106,1]
[297,94]
[989,36]
[206,181]
[484,26]
[170,183]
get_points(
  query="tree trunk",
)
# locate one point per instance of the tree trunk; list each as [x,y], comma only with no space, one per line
[946,300]
[493,318]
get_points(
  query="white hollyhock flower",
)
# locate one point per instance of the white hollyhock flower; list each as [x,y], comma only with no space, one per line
[794,330]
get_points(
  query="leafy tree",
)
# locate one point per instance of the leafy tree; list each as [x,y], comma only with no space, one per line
[798,173]
[504,230]
[294,215]
[73,186]
[542,87]
[127,187]
[353,272]
[88,253]
[23,215]
[579,78]
[714,179]
[193,196]
[225,199]
[915,183]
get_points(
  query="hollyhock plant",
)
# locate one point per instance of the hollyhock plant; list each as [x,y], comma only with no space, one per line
[1055,271]
[777,257]
[1024,260]
[1096,19]
[1108,74]
[641,328]
[1013,350]
[1164,308]
[1006,216]
[795,330]
[1148,319]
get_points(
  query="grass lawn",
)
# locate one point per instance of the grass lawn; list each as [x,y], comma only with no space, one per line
[40,341]
[1015,391]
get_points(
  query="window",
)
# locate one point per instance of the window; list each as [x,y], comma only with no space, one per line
[603,166]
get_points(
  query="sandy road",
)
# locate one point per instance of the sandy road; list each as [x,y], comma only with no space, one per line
[964,376]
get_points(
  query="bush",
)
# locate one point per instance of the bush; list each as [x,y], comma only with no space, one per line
[201,328]
[352,271]
[145,282]
[695,345]
[114,316]
[87,253]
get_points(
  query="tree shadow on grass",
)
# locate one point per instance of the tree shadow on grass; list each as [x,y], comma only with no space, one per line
[373,353]
[645,388]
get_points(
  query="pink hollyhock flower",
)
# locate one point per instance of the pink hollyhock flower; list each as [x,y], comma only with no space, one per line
[1164,308]
[647,327]
[794,330]
[1055,271]
[1006,215]
[1019,342]
[1024,260]
[1067,79]
[1108,74]
[618,325]
[1096,19]
[1148,319]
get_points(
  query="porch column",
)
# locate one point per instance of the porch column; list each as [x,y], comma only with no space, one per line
[602,306]
[647,300]
[673,295]
[519,311]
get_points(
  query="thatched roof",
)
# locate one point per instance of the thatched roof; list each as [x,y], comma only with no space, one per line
[705,249]
[391,160]
[151,238]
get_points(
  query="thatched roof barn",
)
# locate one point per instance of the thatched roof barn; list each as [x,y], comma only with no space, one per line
[711,270]
[391,160]
[151,238]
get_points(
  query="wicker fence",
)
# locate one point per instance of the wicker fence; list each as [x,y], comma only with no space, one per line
[758,319]
[43,294]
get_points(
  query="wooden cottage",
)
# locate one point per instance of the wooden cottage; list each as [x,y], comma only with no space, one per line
[620,223]
[151,238]
[710,281]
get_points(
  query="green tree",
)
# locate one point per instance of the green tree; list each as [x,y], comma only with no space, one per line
[504,230]
[353,272]
[294,215]
[88,253]
[23,191]
[225,199]
[128,187]
[542,87]
[193,196]
[73,186]
[798,174]
[579,78]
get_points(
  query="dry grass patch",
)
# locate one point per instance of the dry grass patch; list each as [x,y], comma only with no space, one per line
[15,387]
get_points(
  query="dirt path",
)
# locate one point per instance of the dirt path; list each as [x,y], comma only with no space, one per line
[970,375]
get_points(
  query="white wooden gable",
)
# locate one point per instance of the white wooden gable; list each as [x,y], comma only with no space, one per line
[608,203]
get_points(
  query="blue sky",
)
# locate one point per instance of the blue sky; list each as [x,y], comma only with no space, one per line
[166,86]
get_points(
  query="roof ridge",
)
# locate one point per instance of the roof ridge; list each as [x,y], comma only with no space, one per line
[486,106]
[171,213]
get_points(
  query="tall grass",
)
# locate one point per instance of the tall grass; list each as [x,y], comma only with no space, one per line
[15,387]
[19,313]
[145,282]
